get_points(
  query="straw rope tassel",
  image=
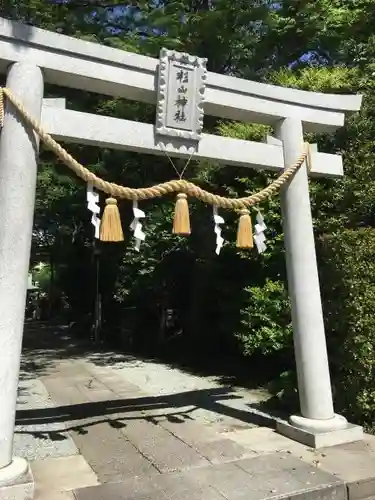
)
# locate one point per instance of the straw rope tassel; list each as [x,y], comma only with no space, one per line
[245,230]
[110,227]
[181,221]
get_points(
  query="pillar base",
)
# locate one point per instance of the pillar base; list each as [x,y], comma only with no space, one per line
[320,433]
[16,481]
[317,426]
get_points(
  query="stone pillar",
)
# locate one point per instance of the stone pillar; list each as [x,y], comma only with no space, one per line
[18,170]
[314,385]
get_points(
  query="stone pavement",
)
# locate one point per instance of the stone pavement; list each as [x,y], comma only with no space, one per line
[102,425]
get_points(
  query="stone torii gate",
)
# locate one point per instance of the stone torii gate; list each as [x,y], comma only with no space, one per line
[30,57]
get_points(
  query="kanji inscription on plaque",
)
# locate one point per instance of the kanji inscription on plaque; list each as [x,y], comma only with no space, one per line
[181,89]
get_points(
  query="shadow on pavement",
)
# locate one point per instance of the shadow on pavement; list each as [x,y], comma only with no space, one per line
[209,399]
[44,345]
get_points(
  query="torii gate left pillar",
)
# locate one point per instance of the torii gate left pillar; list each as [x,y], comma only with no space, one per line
[18,166]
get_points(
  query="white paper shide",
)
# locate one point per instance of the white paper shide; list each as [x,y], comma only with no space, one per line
[93,206]
[217,221]
[136,226]
[259,236]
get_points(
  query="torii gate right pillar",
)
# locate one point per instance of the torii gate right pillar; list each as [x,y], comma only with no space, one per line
[318,425]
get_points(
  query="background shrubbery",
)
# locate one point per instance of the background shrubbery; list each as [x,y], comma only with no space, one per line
[347,276]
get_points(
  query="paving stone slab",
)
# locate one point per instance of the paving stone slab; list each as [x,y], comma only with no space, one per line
[283,475]
[164,450]
[189,431]
[363,489]
[18,491]
[266,440]
[275,462]
[110,454]
[55,495]
[223,450]
[95,391]
[147,490]
[260,481]
[63,473]
[109,377]
[63,391]
[228,479]
[270,476]
[352,462]
[92,389]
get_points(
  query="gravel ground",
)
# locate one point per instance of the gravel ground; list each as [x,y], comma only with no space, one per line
[35,441]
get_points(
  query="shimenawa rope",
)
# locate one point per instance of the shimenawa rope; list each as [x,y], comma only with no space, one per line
[180,186]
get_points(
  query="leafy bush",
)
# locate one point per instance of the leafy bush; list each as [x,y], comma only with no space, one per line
[265,320]
[348,286]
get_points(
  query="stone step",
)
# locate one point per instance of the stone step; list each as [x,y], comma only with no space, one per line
[266,477]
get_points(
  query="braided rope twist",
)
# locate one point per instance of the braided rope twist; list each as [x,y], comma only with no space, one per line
[159,190]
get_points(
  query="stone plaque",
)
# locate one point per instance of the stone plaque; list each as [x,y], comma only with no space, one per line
[181,89]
